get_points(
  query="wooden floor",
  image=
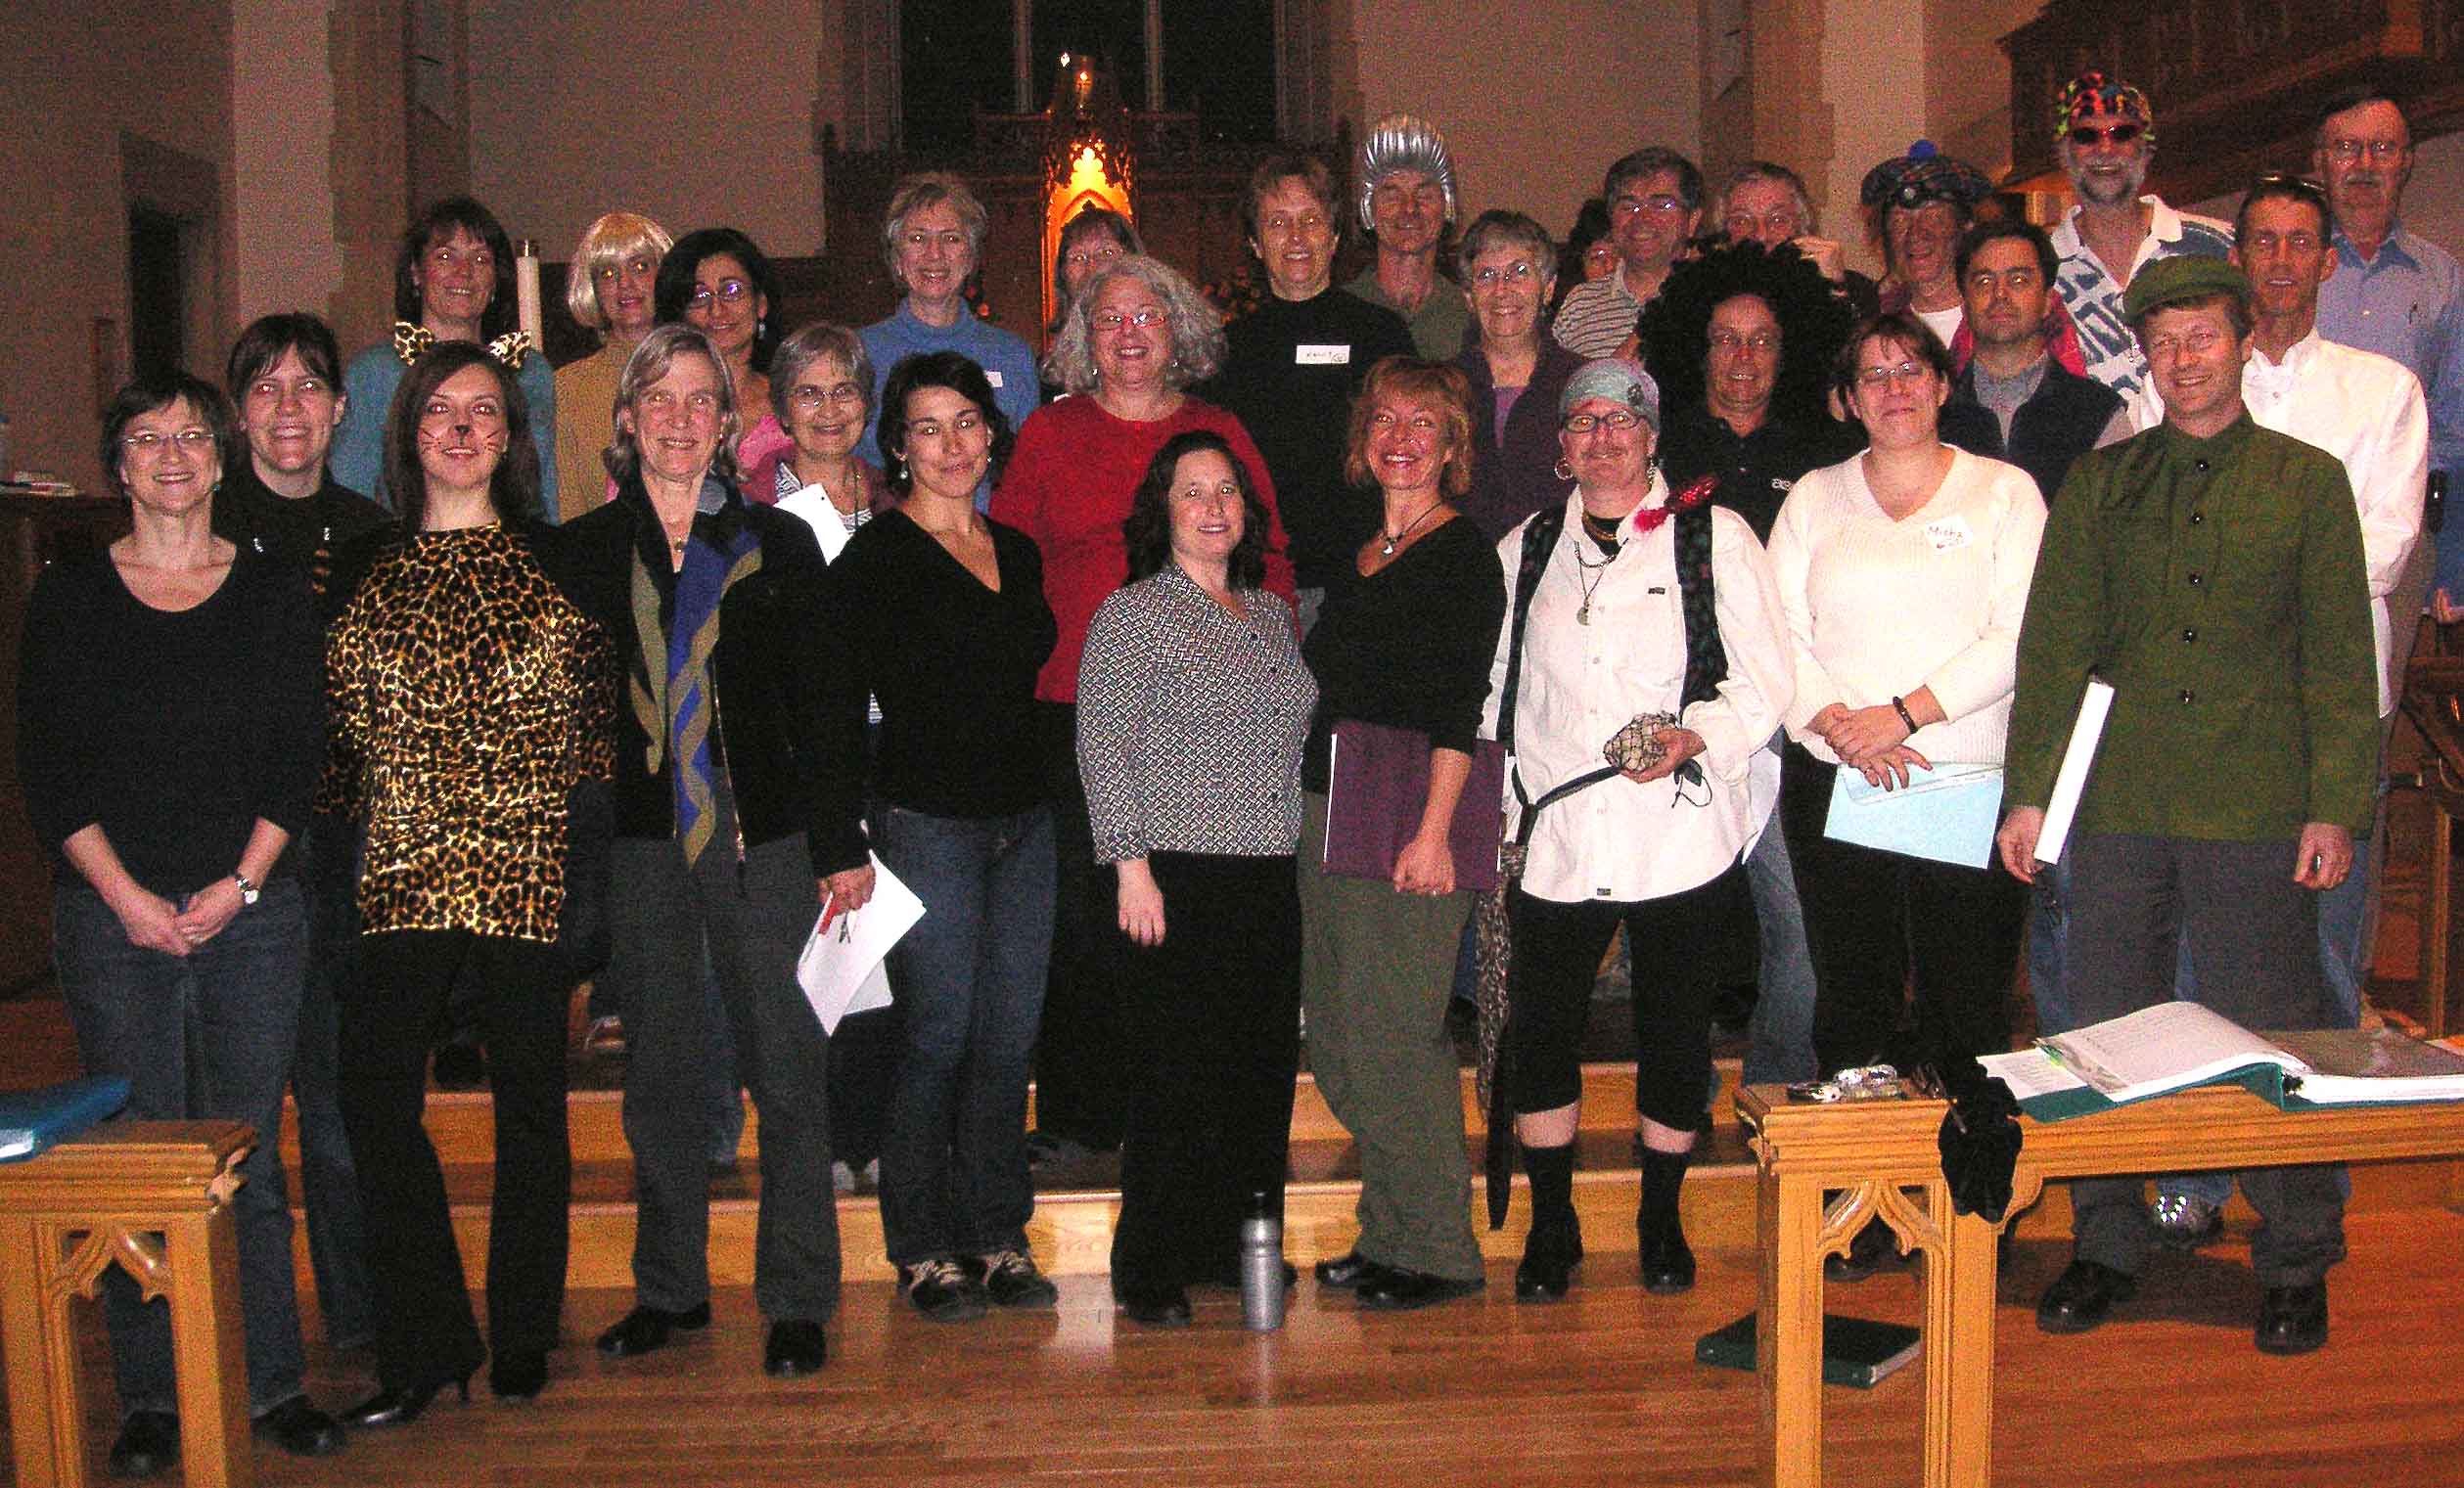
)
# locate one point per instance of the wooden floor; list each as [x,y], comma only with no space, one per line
[1601,1390]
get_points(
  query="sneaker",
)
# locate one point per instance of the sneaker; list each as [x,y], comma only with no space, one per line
[1011,1280]
[942,1291]
[2185,1221]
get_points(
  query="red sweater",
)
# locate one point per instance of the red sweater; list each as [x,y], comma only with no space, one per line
[1069,485]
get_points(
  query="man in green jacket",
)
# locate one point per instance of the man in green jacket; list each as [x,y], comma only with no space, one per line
[2210,570]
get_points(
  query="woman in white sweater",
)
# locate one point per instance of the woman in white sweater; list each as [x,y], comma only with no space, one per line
[1903,575]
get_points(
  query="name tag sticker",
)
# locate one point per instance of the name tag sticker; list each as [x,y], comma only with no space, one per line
[1947,533]
[992,377]
[1321,356]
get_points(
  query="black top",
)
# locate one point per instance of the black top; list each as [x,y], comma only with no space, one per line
[953,665]
[1511,480]
[1756,471]
[2061,421]
[1290,370]
[764,668]
[175,731]
[1410,645]
[308,532]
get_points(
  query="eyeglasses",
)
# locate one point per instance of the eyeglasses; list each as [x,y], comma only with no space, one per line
[2380,152]
[729,291]
[807,398]
[191,441]
[1517,272]
[2197,341]
[1780,224]
[1762,342]
[2085,135]
[1657,202]
[1111,322]
[1622,421]
[1905,372]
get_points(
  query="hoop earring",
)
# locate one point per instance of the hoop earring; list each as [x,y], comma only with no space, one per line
[1564,470]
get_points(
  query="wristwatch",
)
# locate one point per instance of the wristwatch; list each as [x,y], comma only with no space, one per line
[247,890]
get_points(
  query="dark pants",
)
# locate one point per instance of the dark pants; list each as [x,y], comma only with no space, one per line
[207,1036]
[1872,917]
[971,976]
[1080,1092]
[1674,942]
[1212,1044]
[752,918]
[329,1188]
[408,980]
[2253,933]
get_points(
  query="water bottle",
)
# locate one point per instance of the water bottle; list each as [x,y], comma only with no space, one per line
[1262,1267]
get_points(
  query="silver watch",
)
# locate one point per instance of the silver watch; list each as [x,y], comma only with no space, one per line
[247,890]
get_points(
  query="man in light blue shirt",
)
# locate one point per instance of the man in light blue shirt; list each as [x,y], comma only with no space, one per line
[2396,292]
[934,239]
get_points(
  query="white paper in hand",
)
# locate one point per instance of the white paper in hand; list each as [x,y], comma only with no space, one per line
[841,969]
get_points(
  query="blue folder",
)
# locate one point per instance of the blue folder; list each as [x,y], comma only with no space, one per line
[1946,814]
[31,1121]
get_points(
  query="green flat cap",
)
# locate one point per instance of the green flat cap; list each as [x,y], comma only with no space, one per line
[2185,276]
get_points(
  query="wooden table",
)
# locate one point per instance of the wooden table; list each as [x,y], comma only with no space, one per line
[153,1198]
[1882,1160]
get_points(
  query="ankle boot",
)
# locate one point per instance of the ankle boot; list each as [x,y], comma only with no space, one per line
[1553,1248]
[1667,1263]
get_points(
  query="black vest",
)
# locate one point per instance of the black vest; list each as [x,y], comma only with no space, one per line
[2052,428]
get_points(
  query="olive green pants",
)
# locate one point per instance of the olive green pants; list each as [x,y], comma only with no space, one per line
[1376,969]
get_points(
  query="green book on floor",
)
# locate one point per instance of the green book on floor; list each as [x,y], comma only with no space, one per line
[1855,1351]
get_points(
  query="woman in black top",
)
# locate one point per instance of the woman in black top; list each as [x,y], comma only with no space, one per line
[939,612]
[710,601]
[167,742]
[1404,641]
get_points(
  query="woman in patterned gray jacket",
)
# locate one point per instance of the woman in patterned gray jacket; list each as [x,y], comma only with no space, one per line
[1193,705]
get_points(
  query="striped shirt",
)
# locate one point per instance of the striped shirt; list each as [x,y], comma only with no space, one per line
[1597,317]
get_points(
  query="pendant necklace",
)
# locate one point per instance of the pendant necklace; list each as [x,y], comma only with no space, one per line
[1592,585]
[1386,548]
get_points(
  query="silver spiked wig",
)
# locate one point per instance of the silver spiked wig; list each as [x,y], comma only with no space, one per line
[1402,142]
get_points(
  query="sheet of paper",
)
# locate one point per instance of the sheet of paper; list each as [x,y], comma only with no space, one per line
[1946,814]
[2030,1073]
[841,968]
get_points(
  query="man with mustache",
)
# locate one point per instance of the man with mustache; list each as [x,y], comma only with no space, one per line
[2395,292]
[1406,207]
[2105,133]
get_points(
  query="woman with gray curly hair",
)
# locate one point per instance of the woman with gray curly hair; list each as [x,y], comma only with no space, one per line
[1135,338]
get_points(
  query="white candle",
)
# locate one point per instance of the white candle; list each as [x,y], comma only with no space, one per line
[526,292]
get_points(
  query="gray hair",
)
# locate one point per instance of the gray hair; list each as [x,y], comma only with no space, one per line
[1497,228]
[1778,175]
[1402,141]
[651,362]
[1197,330]
[930,187]
[808,347]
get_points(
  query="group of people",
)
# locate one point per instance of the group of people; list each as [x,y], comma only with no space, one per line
[1198,678]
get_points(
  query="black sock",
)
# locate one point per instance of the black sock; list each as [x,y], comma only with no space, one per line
[1552,1173]
[1663,1175]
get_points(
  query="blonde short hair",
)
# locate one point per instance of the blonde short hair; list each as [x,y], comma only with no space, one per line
[613,238]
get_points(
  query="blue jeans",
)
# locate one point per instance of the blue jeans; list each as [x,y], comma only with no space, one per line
[1781,1037]
[2048,928]
[207,1036]
[971,978]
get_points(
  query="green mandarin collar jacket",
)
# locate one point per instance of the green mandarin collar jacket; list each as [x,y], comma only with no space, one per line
[2218,584]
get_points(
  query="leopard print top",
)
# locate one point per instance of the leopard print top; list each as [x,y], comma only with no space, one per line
[467,695]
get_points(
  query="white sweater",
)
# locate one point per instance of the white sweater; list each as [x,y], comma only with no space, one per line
[1877,608]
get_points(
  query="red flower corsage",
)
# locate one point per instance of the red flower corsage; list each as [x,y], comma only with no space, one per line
[1684,501]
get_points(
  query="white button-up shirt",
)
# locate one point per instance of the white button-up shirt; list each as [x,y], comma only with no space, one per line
[2368,411]
[1581,684]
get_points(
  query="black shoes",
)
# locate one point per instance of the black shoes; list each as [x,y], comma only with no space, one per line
[1010,1278]
[1153,1306]
[645,1328]
[797,1347]
[2082,1296]
[1395,1289]
[395,1406]
[298,1427]
[518,1376]
[149,1443]
[1550,1255]
[1667,1263]
[944,1291]
[1348,1271]
[2293,1320]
